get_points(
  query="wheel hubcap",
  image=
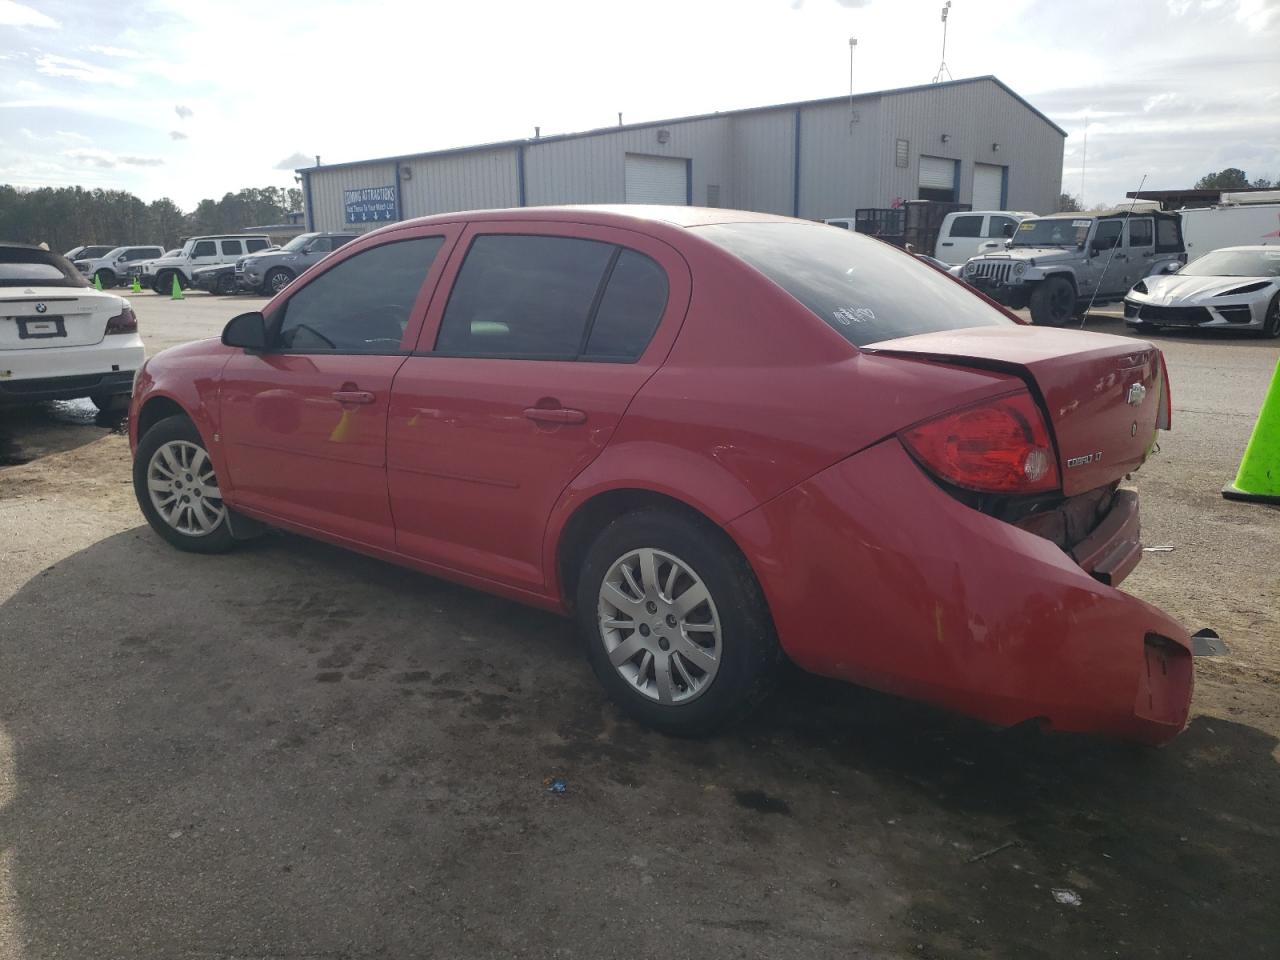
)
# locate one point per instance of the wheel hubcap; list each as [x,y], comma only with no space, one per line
[184,489]
[660,626]
[278,282]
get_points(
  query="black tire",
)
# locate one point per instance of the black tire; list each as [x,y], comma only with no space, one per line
[106,277]
[1271,325]
[276,280]
[750,658]
[1053,302]
[110,402]
[164,282]
[175,429]
[226,285]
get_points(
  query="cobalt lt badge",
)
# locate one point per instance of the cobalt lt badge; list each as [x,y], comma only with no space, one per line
[1136,393]
[41,308]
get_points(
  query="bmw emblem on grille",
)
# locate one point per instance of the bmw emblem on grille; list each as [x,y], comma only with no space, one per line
[1136,393]
[41,308]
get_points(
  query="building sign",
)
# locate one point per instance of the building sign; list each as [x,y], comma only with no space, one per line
[370,204]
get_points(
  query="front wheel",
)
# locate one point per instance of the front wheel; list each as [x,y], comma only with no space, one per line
[1271,325]
[1053,302]
[675,625]
[177,489]
[226,285]
[277,280]
[106,277]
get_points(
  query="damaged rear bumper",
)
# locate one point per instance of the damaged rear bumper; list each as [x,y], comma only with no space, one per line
[875,575]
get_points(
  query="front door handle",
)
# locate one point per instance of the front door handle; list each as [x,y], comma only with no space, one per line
[353,396]
[947,243]
[555,415]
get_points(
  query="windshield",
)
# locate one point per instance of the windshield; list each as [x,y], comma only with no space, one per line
[1057,232]
[21,267]
[298,242]
[864,289]
[1235,263]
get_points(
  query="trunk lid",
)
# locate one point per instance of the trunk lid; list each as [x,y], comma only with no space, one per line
[34,318]
[1102,394]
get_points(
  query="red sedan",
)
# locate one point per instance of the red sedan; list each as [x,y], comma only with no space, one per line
[717,439]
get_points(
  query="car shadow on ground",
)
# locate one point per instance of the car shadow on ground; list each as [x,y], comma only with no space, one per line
[295,750]
[39,430]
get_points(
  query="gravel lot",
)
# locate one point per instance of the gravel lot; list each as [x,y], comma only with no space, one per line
[292,751]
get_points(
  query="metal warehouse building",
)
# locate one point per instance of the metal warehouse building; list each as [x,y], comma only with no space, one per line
[970,141]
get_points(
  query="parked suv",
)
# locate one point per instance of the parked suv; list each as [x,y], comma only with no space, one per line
[113,266]
[200,252]
[273,270]
[1058,264]
[967,233]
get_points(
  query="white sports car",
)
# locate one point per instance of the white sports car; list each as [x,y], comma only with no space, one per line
[61,339]
[1234,287]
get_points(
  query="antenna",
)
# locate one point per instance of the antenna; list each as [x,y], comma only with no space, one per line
[1085,316]
[942,67]
[853,42]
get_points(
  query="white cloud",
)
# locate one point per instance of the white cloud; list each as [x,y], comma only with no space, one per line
[177,135]
[294,160]
[120,52]
[183,112]
[13,14]
[55,66]
[107,159]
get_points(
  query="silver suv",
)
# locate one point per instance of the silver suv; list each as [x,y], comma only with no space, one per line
[1058,264]
[271,271]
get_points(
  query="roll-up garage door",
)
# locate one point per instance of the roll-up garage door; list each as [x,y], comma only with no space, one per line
[988,181]
[936,174]
[657,179]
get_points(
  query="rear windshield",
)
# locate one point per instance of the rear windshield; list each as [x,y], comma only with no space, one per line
[20,267]
[865,290]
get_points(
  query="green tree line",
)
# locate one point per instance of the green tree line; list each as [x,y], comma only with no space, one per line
[65,217]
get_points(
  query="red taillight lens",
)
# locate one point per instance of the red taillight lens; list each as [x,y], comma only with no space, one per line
[126,322]
[1164,416]
[996,446]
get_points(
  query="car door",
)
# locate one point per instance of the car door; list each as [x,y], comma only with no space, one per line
[1140,242]
[229,251]
[316,251]
[1107,259]
[962,238]
[521,377]
[304,423]
[204,253]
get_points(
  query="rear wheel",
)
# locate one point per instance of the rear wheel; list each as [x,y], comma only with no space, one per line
[675,625]
[1271,325]
[177,489]
[1053,302]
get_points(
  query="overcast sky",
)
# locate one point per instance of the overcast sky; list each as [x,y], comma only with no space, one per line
[192,98]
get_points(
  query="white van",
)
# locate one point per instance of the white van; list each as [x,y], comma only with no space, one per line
[965,233]
[200,252]
[1205,229]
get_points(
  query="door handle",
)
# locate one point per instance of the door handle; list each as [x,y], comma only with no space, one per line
[947,243]
[555,415]
[353,396]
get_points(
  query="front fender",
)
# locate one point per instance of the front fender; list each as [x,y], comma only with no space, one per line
[189,381]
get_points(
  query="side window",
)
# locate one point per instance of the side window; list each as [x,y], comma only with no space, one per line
[231,248]
[523,296]
[319,245]
[254,244]
[1107,235]
[339,241]
[629,312]
[1167,238]
[1140,234]
[966,227]
[361,305]
[1000,227]
[205,248]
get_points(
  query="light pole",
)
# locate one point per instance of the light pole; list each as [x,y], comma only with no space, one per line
[942,67]
[853,42]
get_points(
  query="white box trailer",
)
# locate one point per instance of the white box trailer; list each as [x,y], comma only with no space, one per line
[1205,229]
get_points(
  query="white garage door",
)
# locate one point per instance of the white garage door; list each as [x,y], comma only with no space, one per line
[657,179]
[988,182]
[937,173]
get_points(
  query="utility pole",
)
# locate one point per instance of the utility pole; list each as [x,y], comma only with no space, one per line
[942,67]
[1084,157]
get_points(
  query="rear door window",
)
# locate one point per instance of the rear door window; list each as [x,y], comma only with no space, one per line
[863,288]
[966,227]
[231,248]
[527,297]
[254,244]
[1140,233]
[362,304]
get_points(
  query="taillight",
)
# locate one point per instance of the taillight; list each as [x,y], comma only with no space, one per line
[996,446]
[1164,416]
[124,322]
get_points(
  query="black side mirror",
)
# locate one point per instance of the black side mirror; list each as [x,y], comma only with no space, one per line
[247,331]
[1007,230]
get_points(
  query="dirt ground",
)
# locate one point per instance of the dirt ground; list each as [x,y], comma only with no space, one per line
[292,751]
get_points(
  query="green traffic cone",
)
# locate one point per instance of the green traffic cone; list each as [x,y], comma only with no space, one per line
[1258,479]
[135,287]
[177,289]
[97,281]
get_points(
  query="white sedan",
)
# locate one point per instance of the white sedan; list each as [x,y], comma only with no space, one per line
[61,339]
[1231,288]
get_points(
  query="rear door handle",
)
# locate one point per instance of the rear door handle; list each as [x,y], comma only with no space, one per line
[353,396]
[555,415]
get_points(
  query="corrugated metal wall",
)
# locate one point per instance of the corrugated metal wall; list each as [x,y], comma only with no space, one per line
[750,157]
